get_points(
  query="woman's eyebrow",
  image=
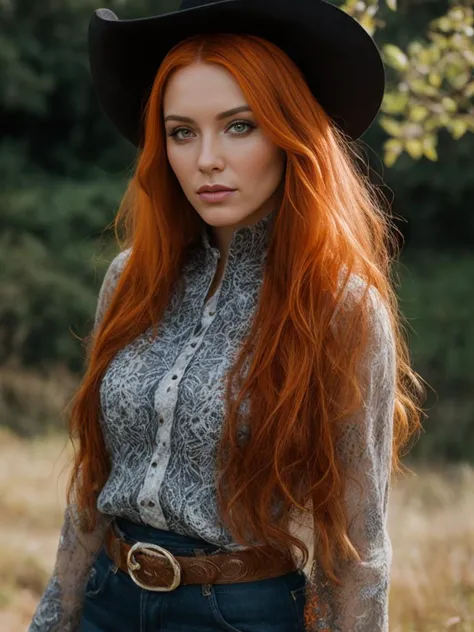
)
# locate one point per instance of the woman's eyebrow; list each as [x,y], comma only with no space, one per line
[222,115]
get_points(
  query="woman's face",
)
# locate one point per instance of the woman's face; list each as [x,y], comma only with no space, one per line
[206,145]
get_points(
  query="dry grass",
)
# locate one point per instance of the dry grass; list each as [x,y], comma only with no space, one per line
[432,530]
[431,524]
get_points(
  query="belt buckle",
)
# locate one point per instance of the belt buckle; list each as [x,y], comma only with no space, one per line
[133,565]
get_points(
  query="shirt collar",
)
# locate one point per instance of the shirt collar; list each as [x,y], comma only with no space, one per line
[247,241]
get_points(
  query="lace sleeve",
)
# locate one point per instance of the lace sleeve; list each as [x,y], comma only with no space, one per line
[60,607]
[365,447]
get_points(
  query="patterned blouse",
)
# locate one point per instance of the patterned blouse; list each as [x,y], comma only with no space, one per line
[162,409]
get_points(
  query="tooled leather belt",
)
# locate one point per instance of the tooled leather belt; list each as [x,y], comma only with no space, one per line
[154,568]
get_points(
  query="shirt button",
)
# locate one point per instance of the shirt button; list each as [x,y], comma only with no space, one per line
[162,420]
[211,313]
[154,464]
[174,377]
[151,503]
[193,344]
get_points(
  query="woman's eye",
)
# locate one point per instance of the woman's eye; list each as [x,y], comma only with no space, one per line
[177,131]
[245,124]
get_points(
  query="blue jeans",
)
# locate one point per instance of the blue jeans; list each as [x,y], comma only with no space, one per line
[114,603]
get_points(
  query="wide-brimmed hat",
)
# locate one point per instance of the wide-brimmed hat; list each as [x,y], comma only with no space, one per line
[338,58]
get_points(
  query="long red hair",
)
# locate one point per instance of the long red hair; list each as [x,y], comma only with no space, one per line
[302,378]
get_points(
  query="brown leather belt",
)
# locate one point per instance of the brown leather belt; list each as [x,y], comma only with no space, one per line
[154,568]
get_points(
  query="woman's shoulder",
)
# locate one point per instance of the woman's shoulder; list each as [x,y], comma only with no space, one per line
[378,316]
[115,269]
[357,289]
[118,263]
[109,282]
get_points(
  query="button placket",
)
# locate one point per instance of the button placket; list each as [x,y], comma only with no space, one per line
[160,458]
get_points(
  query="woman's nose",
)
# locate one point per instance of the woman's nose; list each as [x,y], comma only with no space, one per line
[210,155]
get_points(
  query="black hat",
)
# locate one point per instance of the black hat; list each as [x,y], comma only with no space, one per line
[338,58]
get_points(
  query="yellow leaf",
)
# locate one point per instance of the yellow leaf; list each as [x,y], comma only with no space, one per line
[456,13]
[435,79]
[424,57]
[460,80]
[445,24]
[430,153]
[435,55]
[395,57]
[449,104]
[367,22]
[391,126]
[469,90]
[395,102]
[440,40]
[458,128]
[419,86]
[444,118]
[418,113]
[414,48]
[468,56]
[394,145]
[390,157]
[429,147]
[414,147]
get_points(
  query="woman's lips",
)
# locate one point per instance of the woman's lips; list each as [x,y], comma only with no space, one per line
[215,196]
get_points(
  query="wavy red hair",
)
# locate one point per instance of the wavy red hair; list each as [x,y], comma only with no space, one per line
[302,378]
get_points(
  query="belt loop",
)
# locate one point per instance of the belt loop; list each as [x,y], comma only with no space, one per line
[206,588]
[113,538]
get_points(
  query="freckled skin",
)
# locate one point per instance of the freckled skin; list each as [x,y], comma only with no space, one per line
[212,151]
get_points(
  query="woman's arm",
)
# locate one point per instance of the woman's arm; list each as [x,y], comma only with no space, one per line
[365,448]
[60,607]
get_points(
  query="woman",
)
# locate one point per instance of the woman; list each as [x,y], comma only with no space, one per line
[252,379]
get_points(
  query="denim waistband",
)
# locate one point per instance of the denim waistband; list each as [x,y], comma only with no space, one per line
[176,543]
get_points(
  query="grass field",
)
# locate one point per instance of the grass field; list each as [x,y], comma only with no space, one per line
[431,524]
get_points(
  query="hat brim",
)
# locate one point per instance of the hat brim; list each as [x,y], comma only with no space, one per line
[339,59]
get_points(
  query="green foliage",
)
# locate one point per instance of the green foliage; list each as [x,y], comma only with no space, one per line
[431,87]
[437,301]
[46,95]
[435,88]
[48,242]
